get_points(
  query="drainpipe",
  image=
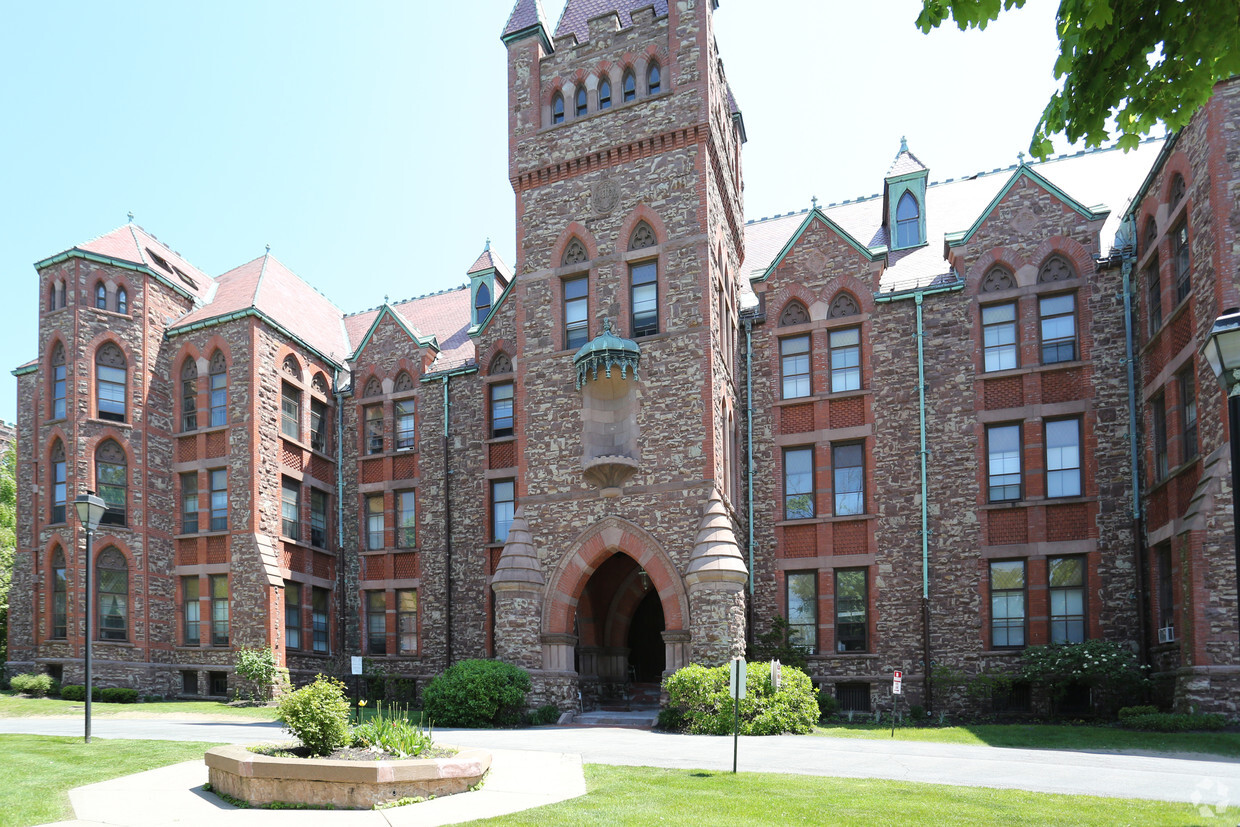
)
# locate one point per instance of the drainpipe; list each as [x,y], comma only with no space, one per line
[749,446]
[1137,530]
[341,583]
[447,515]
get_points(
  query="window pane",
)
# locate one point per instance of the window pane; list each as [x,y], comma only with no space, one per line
[290,506]
[845,359]
[290,413]
[645,298]
[794,362]
[803,609]
[406,519]
[1007,603]
[1003,462]
[850,610]
[848,464]
[1063,458]
[374,523]
[576,312]
[798,483]
[999,336]
[503,502]
[1066,578]
[318,517]
[292,615]
[404,425]
[318,617]
[219,400]
[407,621]
[191,610]
[1058,328]
[376,623]
[219,500]
[501,409]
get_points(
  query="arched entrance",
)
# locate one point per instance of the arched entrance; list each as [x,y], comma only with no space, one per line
[620,624]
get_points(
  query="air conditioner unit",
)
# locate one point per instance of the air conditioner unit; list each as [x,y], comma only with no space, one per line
[1166,634]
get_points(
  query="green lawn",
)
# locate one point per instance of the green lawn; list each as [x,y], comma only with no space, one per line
[19,706]
[1049,736]
[643,795]
[38,771]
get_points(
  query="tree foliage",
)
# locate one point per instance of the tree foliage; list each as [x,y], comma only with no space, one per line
[1141,61]
[8,540]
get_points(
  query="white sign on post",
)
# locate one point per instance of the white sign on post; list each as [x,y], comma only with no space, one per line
[736,678]
[777,674]
[356,662]
[895,682]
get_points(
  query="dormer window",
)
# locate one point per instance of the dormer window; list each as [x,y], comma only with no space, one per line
[582,103]
[557,108]
[653,80]
[908,222]
[628,86]
[482,303]
[604,94]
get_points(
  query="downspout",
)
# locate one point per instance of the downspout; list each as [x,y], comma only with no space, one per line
[342,636]
[749,446]
[447,515]
[1133,455]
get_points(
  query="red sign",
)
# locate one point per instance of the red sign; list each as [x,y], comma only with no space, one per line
[898,674]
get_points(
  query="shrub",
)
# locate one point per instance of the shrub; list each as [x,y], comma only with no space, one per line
[392,733]
[118,695]
[708,708]
[828,705]
[545,715]
[477,693]
[317,715]
[917,713]
[1104,665]
[1133,711]
[36,686]
[1172,722]
[671,719]
[258,666]
[777,644]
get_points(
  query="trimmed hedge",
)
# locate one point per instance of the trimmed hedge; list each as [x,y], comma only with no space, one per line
[118,695]
[477,693]
[1133,711]
[704,707]
[1175,722]
[77,692]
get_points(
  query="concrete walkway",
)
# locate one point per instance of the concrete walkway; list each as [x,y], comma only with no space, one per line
[542,760]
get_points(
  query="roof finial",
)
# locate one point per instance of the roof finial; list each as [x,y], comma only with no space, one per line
[903,144]
[131,216]
[1020,158]
[814,201]
[386,299]
[268,249]
[488,247]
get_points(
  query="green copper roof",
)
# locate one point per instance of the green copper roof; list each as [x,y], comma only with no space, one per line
[606,350]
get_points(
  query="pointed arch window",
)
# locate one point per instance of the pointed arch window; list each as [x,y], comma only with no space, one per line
[644,284]
[110,385]
[59,489]
[628,86]
[482,303]
[189,395]
[60,596]
[1177,189]
[101,296]
[112,481]
[583,104]
[112,575]
[574,253]
[557,108]
[908,221]
[1151,234]
[59,372]
[122,300]
[604,94]
[219,389]
[654,80]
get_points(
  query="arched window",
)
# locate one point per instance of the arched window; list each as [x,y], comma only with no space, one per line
[604,94]
[843,305]
[189,395]
[112,481]
[908,221]
[101,296]
[1150,238]
[60,596]
[482,303]
[557,108]
[373,387]
[500,364]
[1056,268]
[644,284]
[654,79]
[58,382]
[794,313]
[112,575]
[110,385]
[1177,189]
[574,253]
[628,86]
[51,297]
[582,103]
[219,389]
[998,278]
[59,490]
[122,300]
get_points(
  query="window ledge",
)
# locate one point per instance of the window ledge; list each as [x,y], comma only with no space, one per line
[499,440]
[109,422]
[223,533]
[1008,652]
[208,430]
[1006,504]
[1172,474]
[115,313]
[844,518]
[845,655]
[814,397]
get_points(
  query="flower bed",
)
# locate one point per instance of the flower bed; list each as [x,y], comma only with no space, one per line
[351,785]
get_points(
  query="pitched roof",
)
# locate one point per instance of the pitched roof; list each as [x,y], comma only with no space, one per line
[487,259]
[134,245]
[577,13]
[526,14]
[446,316]
[905,162]
[267,286]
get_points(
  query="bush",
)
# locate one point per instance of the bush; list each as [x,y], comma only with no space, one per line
[1133,711]
[1103,665]
[671,719]
[545,715]
[258,666]
[777,644]
[477,693]
[708,708]
[317,715]
[118,695]
[827,703]
[1171,722]
[36,686]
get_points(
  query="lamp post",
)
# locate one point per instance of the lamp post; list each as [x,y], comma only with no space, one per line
[1222,351]
[90,511]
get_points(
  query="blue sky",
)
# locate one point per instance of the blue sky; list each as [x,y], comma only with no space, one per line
[366,141]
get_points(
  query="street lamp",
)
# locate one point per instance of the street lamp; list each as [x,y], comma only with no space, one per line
[90,511]
[1222,351]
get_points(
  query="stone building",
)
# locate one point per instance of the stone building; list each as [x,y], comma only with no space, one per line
[910,424]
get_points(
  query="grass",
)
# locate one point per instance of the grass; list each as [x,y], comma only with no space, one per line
[19,706]
[38,770]
[644,795]
[1049,736]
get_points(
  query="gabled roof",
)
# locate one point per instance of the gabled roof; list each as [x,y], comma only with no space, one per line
[444,316]
[487,260]
[577,13]
[905,162]
[775,242]
[386,312]
[527,18]
[265,287]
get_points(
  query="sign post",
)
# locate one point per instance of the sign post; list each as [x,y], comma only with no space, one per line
[736,687]
[355,668]
[897,678]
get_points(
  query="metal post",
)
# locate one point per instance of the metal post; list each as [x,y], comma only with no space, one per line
[89,614]
[1233,424]
[736,723]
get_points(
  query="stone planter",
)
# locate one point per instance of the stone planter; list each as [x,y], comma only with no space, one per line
[350,785]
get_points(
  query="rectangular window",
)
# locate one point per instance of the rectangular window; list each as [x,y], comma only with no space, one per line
[290,509]
[999,336]
[290,412]
[848,468]
[60,491]
[1066,579]
[218,681]
[1007,604]
[1179,247]
[1058,316]
[1158,424]
[58,391]
[189,404]
[794,366]
[501,409]
[189,503]
[1188,413]
[219,499]
[292,615]
[1166,588]
[219,610]
[644,278]
[845,359]
[407,621]
[404,425]
[503,504]
[219,399]
[374,522]
[851,600]
[1154,296]
[1003,462]
[406,519]
[189,682]
[318,425]
[60,602]
[374,429]
[576,312]
[1063,458]
[318,618]
[318,518]
[191,610]
[798,483]
[376,623]
[111,391]
[803,609]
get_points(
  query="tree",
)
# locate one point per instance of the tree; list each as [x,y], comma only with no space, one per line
[8,541]
[1143,61]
